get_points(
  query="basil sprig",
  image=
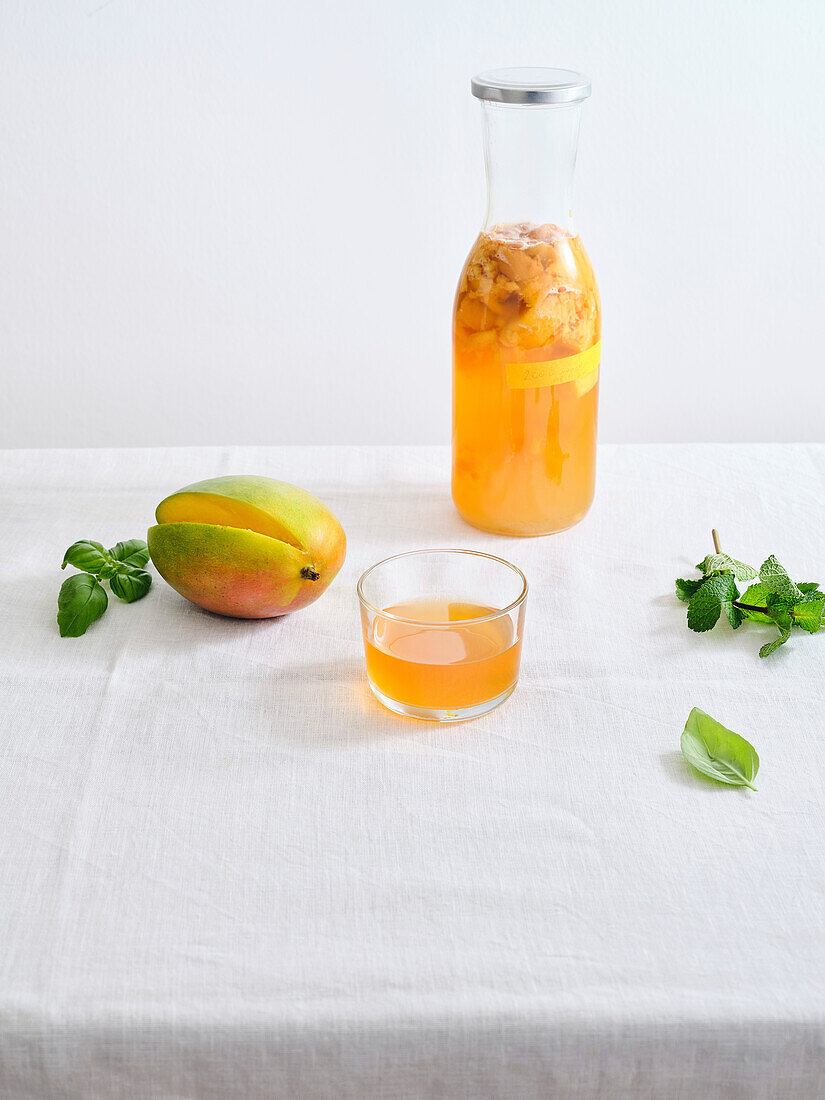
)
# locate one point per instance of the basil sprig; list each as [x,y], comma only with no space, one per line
[83,598]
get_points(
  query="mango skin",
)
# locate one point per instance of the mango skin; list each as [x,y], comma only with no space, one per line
[243,573]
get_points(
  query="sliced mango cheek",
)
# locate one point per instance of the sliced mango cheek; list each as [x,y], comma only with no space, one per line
[230,570]
[222,512]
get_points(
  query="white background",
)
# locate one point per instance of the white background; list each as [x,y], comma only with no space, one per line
[239,221]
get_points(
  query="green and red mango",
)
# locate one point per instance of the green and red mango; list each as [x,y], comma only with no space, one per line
[249,547]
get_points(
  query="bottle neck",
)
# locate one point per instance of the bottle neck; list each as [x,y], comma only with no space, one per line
[530,156]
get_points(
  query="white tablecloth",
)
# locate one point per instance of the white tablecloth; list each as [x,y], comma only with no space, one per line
[226,871]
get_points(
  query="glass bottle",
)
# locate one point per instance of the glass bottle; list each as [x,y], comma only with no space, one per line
[527,319]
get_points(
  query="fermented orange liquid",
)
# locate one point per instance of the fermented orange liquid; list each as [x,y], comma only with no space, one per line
[450,665]
[524,459]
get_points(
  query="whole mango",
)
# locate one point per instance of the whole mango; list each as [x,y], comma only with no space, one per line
[248,547]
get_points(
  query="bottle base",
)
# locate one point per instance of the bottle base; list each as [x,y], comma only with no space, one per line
[510,532]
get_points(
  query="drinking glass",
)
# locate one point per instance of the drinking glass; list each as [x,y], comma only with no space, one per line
[442,632]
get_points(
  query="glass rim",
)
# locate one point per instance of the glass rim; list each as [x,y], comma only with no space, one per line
[359,588]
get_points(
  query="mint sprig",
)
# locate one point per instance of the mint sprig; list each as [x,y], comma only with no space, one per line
[83,598]
[774,598]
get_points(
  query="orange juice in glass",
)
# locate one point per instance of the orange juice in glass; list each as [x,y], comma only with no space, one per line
[527,320]
[442,632]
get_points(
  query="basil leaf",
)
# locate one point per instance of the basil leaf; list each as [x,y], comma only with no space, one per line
[130,584]
[718,752]
[82,599]
[133,552]
[86,555]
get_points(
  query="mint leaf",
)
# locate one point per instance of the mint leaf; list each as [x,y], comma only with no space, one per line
[774,578]
[771,647]
[685,589]
[779,610]
[808,587]
[82,599]
[704,610]
[718,563]
[756,596]
[135,552]
[86,555]
[733,613]
[718,752]
[130,584]
[745,572]
[808,614]
[715,563]
[705,605]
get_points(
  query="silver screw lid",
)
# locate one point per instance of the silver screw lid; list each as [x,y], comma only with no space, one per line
[531,86]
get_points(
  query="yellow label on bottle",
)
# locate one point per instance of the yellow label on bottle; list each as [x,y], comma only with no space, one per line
[555,372]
